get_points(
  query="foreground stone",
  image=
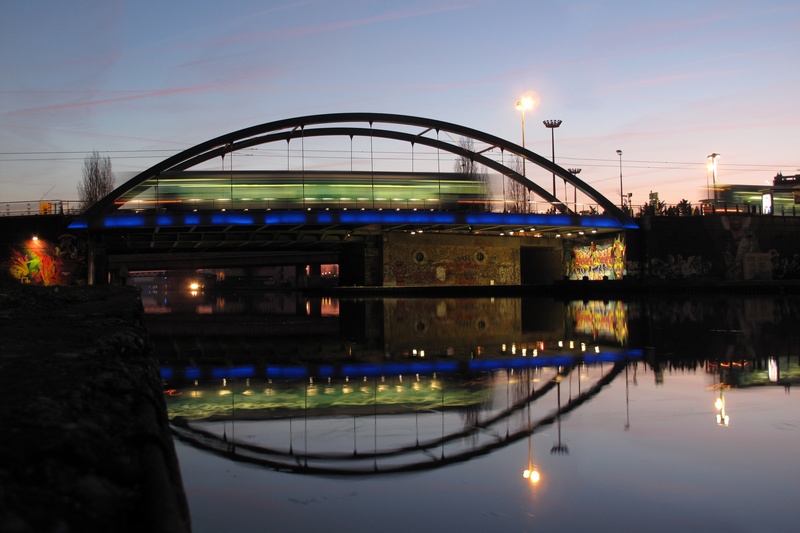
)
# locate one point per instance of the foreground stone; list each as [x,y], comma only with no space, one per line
[85,439]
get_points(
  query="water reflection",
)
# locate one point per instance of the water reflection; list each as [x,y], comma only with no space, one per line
[380,386]
[600,401]
[420,422]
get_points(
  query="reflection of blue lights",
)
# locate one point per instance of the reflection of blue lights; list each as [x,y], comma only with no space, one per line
[233,372]
[382,369]
[404,367]
[288,372]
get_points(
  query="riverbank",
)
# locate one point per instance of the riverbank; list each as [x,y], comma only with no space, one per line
[86,444]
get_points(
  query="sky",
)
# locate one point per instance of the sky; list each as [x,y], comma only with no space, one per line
[668,83]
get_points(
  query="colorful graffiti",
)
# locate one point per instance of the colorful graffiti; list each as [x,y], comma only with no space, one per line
[598,260]
[40,262]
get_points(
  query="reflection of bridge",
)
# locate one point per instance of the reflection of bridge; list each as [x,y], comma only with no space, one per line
[180,206]
[408,448]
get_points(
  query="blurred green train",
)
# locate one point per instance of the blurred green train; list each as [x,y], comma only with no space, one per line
[265,190]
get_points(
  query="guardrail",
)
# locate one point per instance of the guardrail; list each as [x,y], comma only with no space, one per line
[40,207]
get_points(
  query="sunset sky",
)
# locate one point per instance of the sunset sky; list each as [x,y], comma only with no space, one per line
[667,83]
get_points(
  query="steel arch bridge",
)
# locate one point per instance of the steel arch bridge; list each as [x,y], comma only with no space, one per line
[423,131]
[172,226]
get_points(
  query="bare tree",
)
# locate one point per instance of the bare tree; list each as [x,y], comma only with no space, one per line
[473,171]
[98,179]
[515,192]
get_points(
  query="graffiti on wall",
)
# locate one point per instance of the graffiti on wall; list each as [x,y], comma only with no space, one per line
[38,261]
[678,267]
[597,260]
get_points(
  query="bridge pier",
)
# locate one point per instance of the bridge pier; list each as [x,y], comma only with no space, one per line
[448,259]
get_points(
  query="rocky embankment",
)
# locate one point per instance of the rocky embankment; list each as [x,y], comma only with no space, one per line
[85,443]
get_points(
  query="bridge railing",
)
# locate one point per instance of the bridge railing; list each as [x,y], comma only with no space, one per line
[715,208]
[74,207]
[40,207]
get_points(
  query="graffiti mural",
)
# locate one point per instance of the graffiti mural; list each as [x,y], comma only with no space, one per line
[597,260]
[41,262]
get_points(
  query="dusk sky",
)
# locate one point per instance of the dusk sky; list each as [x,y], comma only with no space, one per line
[668,83]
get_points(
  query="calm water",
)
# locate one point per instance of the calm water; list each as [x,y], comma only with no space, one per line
[439,414]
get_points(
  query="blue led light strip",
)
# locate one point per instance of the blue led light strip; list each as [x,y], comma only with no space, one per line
[420,218]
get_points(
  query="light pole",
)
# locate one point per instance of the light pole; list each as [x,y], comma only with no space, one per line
[713,166]
[621,201]
[553,124]
[522,105]
[575,172]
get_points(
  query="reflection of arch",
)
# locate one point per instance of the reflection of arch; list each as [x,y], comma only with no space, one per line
[320,126]
[419,456]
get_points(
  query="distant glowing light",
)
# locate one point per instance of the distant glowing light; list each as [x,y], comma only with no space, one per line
[524,103]
[532,475]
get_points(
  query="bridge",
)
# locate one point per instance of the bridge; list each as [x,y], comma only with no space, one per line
[394,200]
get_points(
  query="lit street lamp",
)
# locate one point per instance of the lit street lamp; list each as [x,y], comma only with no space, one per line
[522,105]
[553,124]
[621,201]
[713,166]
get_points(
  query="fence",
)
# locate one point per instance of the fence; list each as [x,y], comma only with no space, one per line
[40,207]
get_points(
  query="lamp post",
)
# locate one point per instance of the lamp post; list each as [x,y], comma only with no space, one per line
[522,105]
[621,201]
[553,124]
[575,172]
[713,166]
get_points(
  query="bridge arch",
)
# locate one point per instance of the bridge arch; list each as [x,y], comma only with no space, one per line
[340,124]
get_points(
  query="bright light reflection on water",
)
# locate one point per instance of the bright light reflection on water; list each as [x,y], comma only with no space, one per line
[648,451]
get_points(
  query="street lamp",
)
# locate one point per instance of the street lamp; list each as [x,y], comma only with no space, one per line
[621,201]
[713,166]
[575,172]
[522,105]
[553,124]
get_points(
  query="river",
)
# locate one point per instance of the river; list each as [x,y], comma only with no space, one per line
[478,414]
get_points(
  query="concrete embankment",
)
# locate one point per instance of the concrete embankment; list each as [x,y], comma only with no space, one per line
[85,440]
